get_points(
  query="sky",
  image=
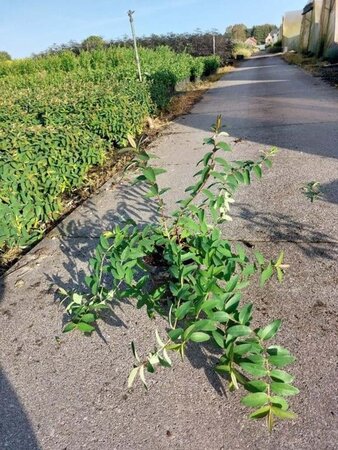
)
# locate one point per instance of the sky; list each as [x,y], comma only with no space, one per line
[31,26]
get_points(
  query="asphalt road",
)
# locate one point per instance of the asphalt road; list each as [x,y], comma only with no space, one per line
[69,392]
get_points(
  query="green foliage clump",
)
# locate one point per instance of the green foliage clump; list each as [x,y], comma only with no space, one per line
[243,49]
[200,292]
[80,107]
[5,56]
[37,165]
[211,64]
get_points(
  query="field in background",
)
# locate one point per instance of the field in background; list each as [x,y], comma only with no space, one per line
[63,114]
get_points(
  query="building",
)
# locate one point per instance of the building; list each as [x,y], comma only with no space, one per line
[272,38]
[251,41]
[328,43]
[311,27]
[292,22]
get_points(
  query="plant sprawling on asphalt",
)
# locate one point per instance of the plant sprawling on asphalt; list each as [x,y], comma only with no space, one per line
[200,290]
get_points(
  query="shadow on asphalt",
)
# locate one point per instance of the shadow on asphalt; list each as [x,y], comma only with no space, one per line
[330,192]
[204,357]
[79,238]
[286,109]
[284,228]
[16,432]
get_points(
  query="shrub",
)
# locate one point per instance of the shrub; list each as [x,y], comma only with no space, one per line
[243,49]
[37,165]
[211,65]
[200,292]
[94,97]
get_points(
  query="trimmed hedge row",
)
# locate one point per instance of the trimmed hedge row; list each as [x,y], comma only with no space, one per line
[63,114]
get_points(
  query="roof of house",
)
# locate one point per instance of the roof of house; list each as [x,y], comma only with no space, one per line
[309,7]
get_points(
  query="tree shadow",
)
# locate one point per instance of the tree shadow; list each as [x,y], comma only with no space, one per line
[16,432]
[329,192]
[284,228]
[277,106]
[204,357]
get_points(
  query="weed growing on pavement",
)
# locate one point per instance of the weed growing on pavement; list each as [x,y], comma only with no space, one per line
[312,190]
[200,290]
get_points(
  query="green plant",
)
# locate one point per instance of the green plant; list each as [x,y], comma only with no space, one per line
[241,48]
[312,190]
[200,290]
[62,114]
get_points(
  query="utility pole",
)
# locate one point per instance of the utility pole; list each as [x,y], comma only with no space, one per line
[131,19]
[214,44]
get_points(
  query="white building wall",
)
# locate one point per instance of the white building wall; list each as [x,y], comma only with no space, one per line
[292,23]
[315,32]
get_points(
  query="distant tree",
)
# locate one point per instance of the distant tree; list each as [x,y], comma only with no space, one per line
[260,32]
[239,32]
[4,56]
[228,32]
[93,43]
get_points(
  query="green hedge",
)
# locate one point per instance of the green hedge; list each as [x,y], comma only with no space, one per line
[37,165]
[62,114]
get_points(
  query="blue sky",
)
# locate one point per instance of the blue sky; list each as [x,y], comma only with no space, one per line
[30,26]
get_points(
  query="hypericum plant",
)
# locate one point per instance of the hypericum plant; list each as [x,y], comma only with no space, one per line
[199,289]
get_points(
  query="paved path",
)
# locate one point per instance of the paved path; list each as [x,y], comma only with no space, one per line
[71,393]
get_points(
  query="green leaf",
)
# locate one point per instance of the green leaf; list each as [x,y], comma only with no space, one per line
[175,334]
[266,275]
[258,171]
[281,360]
[253,369]
[232,283]
[281,414]
[260,413]
[283,389]
[104,242]
[224,146]
[239,330]
[260,258]
[256,386]
[149,174]
[132,376]
[255,400]
[220,316]
[281,375]
[85,327]
[69,327]
[219,338]
[223,368]
[268,163]
[88,318]
[198,336]
[242,349]
[77,298]
[280,402]
[269,331]
[245,314]
[183,310]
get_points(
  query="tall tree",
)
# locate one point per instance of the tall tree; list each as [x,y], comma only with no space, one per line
[93,43]
[4,56]
[260,32]
[239,32]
